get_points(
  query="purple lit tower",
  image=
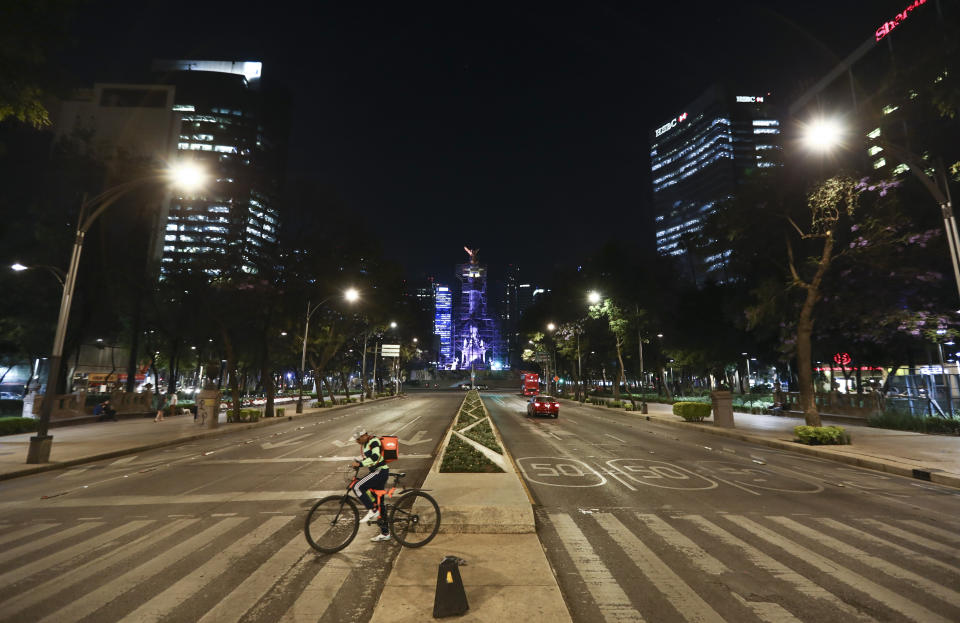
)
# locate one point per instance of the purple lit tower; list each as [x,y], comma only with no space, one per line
[476,340]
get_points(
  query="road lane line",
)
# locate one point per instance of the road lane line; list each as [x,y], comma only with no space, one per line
[612,471]
[894,571]
[612,437]
[951,537]
[775,568]
[96,599]
[317,596]
[95,567]
[25,571]
[830,567]
[32,546]
[905,551]
[906,535]
[700,559]
[164,603]
[176,499]
[13,536]
[609,597]
[250,591]
[681,596]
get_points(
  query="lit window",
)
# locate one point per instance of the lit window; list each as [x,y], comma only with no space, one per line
[171,227]
[766,131]
[169,248]
[874,134]
[183,107]
[889,109]
[879,162]
[170,238]
[765,122]
[876,149]
[221,209]
[202,137]
[226,149]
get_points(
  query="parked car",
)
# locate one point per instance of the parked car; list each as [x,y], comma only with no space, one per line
[543,405]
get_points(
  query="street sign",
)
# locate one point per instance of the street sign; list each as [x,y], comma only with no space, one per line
[542,357]
[390,350]
[556,379]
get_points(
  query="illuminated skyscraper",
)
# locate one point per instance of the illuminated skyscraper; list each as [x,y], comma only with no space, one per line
[443,325]
[697,160]
[476,342]
[237,132]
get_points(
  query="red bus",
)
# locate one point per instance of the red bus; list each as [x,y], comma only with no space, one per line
[530,384]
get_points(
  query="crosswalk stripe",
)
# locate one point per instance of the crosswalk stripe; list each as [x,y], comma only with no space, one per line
[25,571]
[780,571]
[699,558]
[188,586]
[33,546]
[613,603]
[95,567]
[840,573]
[242,598]
[949,596]
[684,599]
[18,534]
[768,611]
[96,599]
[950,537]
[905,551]
[315,599]
[911,537]
[176,499]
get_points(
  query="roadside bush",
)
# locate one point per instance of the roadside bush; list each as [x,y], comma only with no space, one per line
[692,411]
[246,415]
[920,424]
[17,425]
[279,411]
[821,435]
[462,457]
[483,434]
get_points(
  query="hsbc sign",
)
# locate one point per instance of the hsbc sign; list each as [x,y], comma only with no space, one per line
[666,127]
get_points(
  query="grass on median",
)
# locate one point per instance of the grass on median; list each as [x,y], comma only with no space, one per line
[483,434]
[462,457]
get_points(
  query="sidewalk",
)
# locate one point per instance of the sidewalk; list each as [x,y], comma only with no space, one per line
[85,443]
[916,455]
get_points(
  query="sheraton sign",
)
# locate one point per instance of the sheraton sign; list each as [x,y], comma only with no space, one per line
[887,27]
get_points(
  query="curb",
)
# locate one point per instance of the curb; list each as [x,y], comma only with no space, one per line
[218,432]
[823,452]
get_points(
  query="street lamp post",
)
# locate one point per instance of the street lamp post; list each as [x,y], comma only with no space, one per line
[186,175]
[351,295]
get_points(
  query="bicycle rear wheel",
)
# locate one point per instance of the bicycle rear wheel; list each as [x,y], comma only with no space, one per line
[332,523]
[414,519]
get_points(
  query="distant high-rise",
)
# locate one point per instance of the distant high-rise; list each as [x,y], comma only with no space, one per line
[237,132]
[697,160]
[476,336]
[443,325]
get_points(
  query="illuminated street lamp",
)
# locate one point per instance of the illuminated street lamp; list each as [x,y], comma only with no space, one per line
[551,328]
[823,134]
[187,176]
[56,272]
[350,295]
[594,297]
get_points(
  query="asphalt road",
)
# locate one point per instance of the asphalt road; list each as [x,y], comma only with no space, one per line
[646,522]
[209,530]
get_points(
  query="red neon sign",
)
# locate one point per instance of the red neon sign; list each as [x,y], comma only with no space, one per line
[842,359]
[887,27]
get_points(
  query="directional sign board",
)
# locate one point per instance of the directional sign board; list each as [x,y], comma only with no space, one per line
[390,350]
[542,357]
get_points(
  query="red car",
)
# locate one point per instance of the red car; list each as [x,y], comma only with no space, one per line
[543,405]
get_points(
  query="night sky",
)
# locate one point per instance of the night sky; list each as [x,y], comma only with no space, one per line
[517,128]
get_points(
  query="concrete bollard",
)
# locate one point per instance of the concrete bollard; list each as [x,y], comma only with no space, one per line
[451,598]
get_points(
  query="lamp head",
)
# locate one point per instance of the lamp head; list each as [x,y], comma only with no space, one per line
[18,267]
[823,134]
[351,295]
[187,175]
[593,297]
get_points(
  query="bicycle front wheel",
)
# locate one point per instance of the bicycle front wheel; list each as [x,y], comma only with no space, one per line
[414,519]
[332,523]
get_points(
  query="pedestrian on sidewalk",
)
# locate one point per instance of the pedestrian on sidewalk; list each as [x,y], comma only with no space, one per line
[107,412]
[160,411]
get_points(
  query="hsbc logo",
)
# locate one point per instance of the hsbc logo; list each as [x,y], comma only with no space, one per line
[670,124]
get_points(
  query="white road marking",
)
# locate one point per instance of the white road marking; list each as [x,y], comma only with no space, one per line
[96,599]
[612,437]
[768,611]
[313,602]
[905,551]
[124,460]
[95,567]
[13,536]
[420,437]
[613,603]
[700,559]
[170,500]
[196,580]
[873,562]
[613,473]
[250,591]
[25,571]
[840,573]
[916,539]
[777,569]
[684,599]
[39,544]
[948,535]
[270,445]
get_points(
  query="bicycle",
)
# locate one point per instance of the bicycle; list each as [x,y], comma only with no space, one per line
[333,522]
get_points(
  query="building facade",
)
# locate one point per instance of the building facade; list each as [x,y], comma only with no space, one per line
[230,227]
[697,159]
[443,325]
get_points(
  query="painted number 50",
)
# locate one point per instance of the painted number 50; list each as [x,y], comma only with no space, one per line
[561,469]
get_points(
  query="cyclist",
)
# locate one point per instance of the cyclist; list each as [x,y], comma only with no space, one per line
[371,457]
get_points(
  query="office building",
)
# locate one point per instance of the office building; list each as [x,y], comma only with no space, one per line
[476,343]
[698,158]
[443,325]
[237,131]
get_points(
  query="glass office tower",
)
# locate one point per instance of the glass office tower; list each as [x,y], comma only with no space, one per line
[697,160]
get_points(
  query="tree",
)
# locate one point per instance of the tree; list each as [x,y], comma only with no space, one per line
[619,324]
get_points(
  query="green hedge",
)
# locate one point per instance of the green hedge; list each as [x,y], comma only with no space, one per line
[483,434]
[246,415]
[821,435]
[17,425]
[692,411]
[462,457]
[920,424]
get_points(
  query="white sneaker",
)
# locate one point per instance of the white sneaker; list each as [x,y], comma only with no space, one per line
[380,537]
[371,515]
